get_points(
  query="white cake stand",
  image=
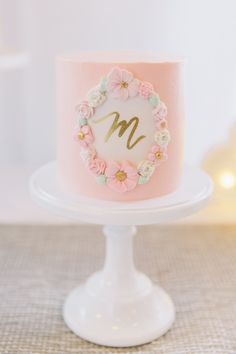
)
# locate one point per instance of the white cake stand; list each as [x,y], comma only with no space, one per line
[119,306]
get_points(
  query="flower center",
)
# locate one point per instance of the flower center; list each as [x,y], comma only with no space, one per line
[158,155]
[121,176]
[124,84]
[81,135]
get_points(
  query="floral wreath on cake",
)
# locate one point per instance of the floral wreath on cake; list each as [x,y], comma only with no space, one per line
[121,176]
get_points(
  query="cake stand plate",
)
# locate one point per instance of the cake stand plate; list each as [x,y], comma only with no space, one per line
[119,306]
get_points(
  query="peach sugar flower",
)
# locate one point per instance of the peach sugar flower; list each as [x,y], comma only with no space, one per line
[84,136]
[97,166]
[121,84]
[157,154]
[121,177]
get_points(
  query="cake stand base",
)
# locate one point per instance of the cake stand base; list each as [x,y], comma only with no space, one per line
[120,306]
[138,321]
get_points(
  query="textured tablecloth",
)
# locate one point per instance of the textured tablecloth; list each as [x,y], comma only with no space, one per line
[39,265]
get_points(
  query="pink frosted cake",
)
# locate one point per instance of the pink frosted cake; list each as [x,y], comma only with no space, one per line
[120,133]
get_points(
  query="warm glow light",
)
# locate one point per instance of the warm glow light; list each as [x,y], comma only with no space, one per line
[227,180]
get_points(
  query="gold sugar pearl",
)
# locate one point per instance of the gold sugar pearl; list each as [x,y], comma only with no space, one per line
[121,176]
[124,84]
[163,124]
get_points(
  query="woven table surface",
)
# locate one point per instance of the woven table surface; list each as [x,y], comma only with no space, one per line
[39,265]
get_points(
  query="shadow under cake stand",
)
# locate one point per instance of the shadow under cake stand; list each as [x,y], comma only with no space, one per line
[120,306]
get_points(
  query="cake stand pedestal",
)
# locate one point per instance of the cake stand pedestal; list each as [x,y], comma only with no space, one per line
[119,306]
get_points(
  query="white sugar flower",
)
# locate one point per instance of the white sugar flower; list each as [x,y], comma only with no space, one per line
[146,168]
[162,137]
[96,97]
[87,153]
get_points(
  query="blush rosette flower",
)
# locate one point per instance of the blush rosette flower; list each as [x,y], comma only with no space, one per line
[160,112]
[121,177]
[145,89]
[157,154]
[84,110]
[84,136]
[121,84]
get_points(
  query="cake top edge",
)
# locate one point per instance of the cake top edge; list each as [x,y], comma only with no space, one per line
[121,57]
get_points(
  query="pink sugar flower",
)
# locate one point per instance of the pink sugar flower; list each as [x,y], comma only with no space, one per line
[160,112]
[84,136]
[145,89]
[157,154]
[121,177]
[84,110]
[121,84]
[161,124]
[97,166]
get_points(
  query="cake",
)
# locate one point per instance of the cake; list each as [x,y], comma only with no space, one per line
[120,128]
